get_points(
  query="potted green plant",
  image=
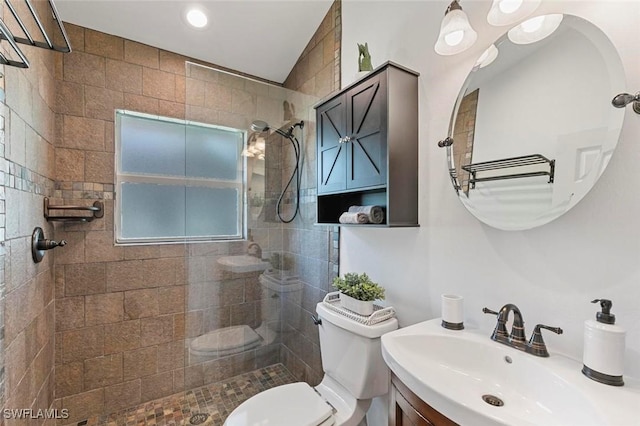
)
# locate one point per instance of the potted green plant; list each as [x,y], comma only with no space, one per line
[357,292]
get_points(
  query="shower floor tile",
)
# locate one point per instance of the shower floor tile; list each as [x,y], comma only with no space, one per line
[217,400]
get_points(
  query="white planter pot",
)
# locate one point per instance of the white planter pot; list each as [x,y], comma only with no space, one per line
[355,305]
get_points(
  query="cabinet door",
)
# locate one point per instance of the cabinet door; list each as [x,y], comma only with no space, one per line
[403,414]
[367,132]
[332,155]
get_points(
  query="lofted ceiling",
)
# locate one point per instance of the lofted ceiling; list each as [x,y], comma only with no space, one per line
[263,38]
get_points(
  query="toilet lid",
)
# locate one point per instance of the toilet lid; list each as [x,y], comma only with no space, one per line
[296,404]
[224,339]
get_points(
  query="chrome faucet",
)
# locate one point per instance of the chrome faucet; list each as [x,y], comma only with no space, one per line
[516,339]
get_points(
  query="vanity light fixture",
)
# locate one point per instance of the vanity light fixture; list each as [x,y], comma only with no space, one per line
[535,29]
[197,18]
[487,57]
[507,12]
[456,34]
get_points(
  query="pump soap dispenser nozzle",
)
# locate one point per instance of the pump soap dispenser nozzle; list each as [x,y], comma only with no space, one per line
[604,345]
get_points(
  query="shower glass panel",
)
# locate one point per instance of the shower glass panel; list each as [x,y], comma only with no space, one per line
[237,291]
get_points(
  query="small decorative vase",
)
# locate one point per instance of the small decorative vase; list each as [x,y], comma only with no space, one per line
[358,306]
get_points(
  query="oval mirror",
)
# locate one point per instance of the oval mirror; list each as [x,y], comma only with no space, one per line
[533,127]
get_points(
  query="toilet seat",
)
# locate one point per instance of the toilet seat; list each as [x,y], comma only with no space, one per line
[295,404]
[225,341]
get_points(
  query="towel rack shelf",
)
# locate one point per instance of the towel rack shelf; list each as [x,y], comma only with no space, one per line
[97,211]
[508,163]
[28,39]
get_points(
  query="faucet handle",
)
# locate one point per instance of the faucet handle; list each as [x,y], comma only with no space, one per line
[500,332]
[536,345]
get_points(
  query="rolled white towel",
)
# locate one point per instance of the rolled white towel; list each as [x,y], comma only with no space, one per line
[357,218]
[375,214]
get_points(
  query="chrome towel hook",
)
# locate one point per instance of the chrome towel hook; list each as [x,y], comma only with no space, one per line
[624,99]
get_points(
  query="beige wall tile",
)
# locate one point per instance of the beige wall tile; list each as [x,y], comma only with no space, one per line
[16,362]
[194,91]
[157,386]
[171,355]
[156,330]
[141,54]
[141,303]
[99,247]
[217,96]
[76,36]
[101,103]
[104,308]
[140,363]
[102,371]
[70,164]
[158,84]
[83,133]
[86,278]
[103,44]
[121,336]
[243,102]
[159,272]
[123,76]
[121,396]
[171,109]
[140,103]
[83,343]
[69,379]
[84,405]
[181,89]
[69,98]
[84,68]
[69,313]
[126,275]
[99,167]
[171,299]
[172,62]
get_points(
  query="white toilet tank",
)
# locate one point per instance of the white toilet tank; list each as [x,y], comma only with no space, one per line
[351,353]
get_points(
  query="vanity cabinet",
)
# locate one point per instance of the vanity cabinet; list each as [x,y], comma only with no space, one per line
[407,409]
[367,147]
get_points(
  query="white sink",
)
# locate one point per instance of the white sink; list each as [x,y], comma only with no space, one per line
[452,370]
[242,263]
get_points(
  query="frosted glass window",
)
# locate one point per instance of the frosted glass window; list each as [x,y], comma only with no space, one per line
[152,146]
[213,153]
[159,210]
[177,180]
[212,211]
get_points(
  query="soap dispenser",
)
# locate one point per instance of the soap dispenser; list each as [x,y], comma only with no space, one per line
[603,356]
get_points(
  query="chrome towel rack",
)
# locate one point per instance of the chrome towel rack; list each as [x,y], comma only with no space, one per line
[97,211]
[28,39]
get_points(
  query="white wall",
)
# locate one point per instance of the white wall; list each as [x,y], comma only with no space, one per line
[551,272]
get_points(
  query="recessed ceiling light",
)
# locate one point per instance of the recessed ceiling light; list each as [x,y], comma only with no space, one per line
[197,18]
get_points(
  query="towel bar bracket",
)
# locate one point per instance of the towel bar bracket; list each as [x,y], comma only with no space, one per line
[97,211]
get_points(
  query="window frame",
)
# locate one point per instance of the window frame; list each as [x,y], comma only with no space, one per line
[128,177]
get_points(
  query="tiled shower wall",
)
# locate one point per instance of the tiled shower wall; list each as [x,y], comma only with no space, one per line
[26,176]
[314,248]
[120,320]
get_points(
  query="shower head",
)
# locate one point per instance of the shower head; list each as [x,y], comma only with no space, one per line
[260,126]
[263,126]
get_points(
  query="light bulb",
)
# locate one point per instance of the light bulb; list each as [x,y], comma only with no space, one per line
[509,6]
[533,24]
[454,38]
[197,18]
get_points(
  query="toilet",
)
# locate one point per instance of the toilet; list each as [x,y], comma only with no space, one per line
[354,374]
[239,338]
